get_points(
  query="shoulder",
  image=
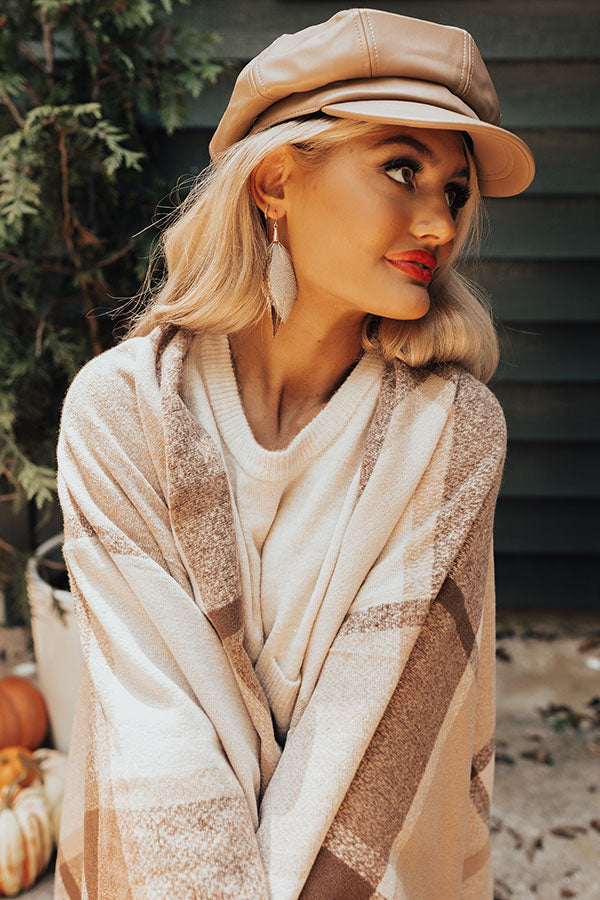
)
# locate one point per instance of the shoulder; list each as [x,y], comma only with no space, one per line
[108,384]
[475,407]
[479,423]
[478,419]
[476,402]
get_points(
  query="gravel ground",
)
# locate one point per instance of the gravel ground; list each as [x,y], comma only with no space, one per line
[546,804]
[545,815]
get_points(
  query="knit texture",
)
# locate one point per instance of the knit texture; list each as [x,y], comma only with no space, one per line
[177,785]
[291,507]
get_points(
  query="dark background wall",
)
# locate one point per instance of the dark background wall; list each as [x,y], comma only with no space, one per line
[539,264]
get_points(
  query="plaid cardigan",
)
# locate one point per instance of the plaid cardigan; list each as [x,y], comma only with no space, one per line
[177,786]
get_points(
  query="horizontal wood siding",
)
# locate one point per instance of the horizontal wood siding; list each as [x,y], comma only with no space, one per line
[539,263]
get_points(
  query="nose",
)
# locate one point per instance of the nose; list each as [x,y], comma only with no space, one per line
[432,219]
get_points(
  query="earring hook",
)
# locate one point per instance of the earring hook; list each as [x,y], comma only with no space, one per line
[275,226]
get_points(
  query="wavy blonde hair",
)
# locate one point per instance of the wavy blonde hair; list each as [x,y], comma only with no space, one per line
[213,256]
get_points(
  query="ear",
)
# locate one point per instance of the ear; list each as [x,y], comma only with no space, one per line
[268,180]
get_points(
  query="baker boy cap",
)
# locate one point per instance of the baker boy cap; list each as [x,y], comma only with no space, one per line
[377,66]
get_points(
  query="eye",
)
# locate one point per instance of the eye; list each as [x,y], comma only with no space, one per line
[406,174]
[459,195]
[405,169]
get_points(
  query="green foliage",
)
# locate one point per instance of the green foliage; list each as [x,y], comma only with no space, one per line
[79,82]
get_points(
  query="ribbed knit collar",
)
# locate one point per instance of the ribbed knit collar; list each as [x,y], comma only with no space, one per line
[222,389]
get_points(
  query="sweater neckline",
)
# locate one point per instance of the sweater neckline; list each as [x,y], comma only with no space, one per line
[314,437]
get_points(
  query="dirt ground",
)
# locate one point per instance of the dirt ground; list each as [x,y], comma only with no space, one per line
[545,816]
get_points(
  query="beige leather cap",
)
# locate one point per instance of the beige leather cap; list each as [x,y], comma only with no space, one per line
[377,66]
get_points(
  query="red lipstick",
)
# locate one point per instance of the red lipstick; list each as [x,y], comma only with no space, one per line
[416,263]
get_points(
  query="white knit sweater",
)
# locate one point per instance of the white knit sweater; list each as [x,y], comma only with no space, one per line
[177,786]
[291,506]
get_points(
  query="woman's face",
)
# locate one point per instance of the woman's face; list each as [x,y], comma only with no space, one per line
[375,198]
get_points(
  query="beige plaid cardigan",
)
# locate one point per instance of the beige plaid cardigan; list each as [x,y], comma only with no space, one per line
[177,787]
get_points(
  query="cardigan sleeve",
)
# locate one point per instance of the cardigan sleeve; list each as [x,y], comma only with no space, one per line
[477,875]
[152,807]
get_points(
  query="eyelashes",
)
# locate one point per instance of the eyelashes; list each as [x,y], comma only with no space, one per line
[460,192]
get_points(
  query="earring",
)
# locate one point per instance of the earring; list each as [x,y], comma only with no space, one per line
[280,280]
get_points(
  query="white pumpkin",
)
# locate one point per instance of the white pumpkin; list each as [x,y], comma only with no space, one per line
[53,766]
[25,838]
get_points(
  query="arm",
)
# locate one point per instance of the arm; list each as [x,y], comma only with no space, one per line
[163,813]
[477,867]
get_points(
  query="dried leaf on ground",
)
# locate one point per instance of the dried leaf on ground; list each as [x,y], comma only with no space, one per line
[505,758]
[495,824]
[536,843]
[570,717]
[589,643]
[532,633]
[568,831]
[541,755]
[501,890]
[518,837]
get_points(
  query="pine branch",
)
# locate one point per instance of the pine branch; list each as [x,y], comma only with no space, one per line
[64,170]
[13,111]
[47,29]
[24,49]
[118,254]
[3,544]
[19,260]
[77,189]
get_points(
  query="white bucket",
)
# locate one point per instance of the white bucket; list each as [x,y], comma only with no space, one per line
[56,644]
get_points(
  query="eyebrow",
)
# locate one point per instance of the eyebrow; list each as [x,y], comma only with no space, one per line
[426,151]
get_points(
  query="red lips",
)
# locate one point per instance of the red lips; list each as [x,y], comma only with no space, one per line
[417,263]
[417,256]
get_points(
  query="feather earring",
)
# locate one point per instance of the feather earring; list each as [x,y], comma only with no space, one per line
[280,280]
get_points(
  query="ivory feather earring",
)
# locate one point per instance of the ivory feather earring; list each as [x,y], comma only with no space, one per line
[280,280]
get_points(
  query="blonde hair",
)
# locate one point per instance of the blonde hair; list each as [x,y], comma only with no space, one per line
[214,253]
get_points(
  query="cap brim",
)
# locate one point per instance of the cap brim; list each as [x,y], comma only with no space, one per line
[505,164]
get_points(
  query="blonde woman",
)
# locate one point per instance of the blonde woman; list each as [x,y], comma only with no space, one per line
[279,492]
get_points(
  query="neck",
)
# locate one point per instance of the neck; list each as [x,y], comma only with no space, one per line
[303,365]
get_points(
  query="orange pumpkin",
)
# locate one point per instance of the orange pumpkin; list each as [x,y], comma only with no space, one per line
[18,765]
[23,713]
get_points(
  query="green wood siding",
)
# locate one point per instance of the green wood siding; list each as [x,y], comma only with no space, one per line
[539,264]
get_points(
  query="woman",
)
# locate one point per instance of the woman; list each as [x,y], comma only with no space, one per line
[278,497]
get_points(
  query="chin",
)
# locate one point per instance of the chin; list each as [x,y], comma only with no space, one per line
[409,310]
[423,310]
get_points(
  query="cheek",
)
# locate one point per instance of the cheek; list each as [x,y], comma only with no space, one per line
[329,230]
[396,210]
[343,227]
